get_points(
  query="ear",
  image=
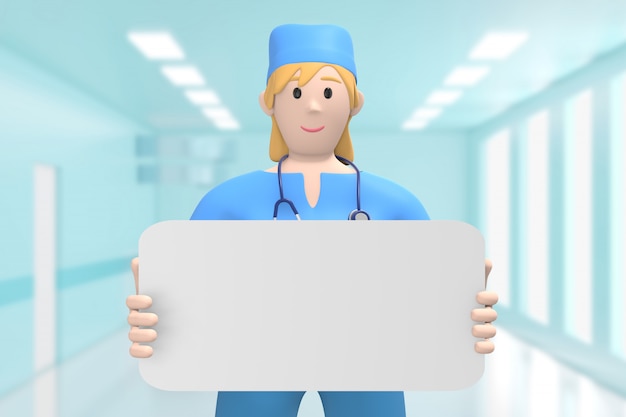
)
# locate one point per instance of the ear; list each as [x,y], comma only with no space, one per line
[264,107]
[358,108]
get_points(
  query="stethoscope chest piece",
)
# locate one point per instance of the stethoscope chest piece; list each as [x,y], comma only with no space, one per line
[358,215]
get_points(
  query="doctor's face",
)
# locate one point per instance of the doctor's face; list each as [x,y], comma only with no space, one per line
[312,117]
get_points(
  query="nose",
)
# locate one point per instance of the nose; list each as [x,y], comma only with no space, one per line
[314,105]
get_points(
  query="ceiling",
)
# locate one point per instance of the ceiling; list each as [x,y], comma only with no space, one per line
[404,50]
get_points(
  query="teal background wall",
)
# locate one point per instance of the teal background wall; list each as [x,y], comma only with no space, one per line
[101,210]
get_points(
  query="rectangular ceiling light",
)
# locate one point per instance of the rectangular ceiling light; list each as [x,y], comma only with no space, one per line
[498,45]
[203,97]
[215,113]
[443,97]
[466,76]
[156,45]
[221,117]
[230,124]
[413,124]
[183,75]
[425,113]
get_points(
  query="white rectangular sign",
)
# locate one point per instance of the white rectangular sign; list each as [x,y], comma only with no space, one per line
[312,305]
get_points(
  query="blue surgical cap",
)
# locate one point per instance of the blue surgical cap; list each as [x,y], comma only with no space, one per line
[291,44]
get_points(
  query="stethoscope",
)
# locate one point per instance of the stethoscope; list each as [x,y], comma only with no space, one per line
[356,214]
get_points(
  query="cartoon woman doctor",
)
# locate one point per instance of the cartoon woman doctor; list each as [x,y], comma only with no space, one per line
[311,96]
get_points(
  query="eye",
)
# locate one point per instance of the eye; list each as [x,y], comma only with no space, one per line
[297,93]
[328,93]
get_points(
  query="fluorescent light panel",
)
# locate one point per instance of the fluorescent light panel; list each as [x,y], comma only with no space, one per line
[413,124]
[215,113]
[498,45]
[425,113]
[467,76]
[443,97]
[183,75]
[230,124]
[156,45]
[221,117]
[203,97]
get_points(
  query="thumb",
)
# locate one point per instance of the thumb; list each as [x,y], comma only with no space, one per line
[134,265]
[488,266]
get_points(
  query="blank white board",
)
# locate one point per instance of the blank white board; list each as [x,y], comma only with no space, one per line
[312,305]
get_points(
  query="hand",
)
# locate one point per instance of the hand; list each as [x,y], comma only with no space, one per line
[485,316]
[135,319]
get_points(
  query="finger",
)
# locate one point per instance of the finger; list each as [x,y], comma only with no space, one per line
[487,298]
[134,265]
[486,315]
[140,351]
[488,266]
[140,302]
[136,318]
[484,331]
[484,346]
[144,335]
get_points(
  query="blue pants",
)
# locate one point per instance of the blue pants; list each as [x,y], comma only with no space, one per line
[286,404]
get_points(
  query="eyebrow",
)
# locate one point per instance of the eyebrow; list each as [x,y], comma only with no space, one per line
[326,78]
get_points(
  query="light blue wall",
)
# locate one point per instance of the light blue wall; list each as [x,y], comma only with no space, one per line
[101,209]
[431,166]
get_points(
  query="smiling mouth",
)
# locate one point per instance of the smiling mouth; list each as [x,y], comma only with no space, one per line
[317,129]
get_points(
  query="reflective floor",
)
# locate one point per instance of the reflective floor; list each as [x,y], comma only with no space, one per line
[519,381]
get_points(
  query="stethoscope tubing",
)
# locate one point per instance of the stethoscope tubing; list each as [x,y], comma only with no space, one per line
[352,216]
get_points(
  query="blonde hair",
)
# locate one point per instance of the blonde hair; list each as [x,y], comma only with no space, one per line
[277,82]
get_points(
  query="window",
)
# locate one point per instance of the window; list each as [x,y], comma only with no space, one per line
[578,222]
[618,210]
[535,214]
[497,214]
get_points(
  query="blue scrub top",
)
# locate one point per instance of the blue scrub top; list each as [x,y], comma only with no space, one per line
[252,196]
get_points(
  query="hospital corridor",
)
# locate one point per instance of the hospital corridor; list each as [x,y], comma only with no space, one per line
[508,116]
